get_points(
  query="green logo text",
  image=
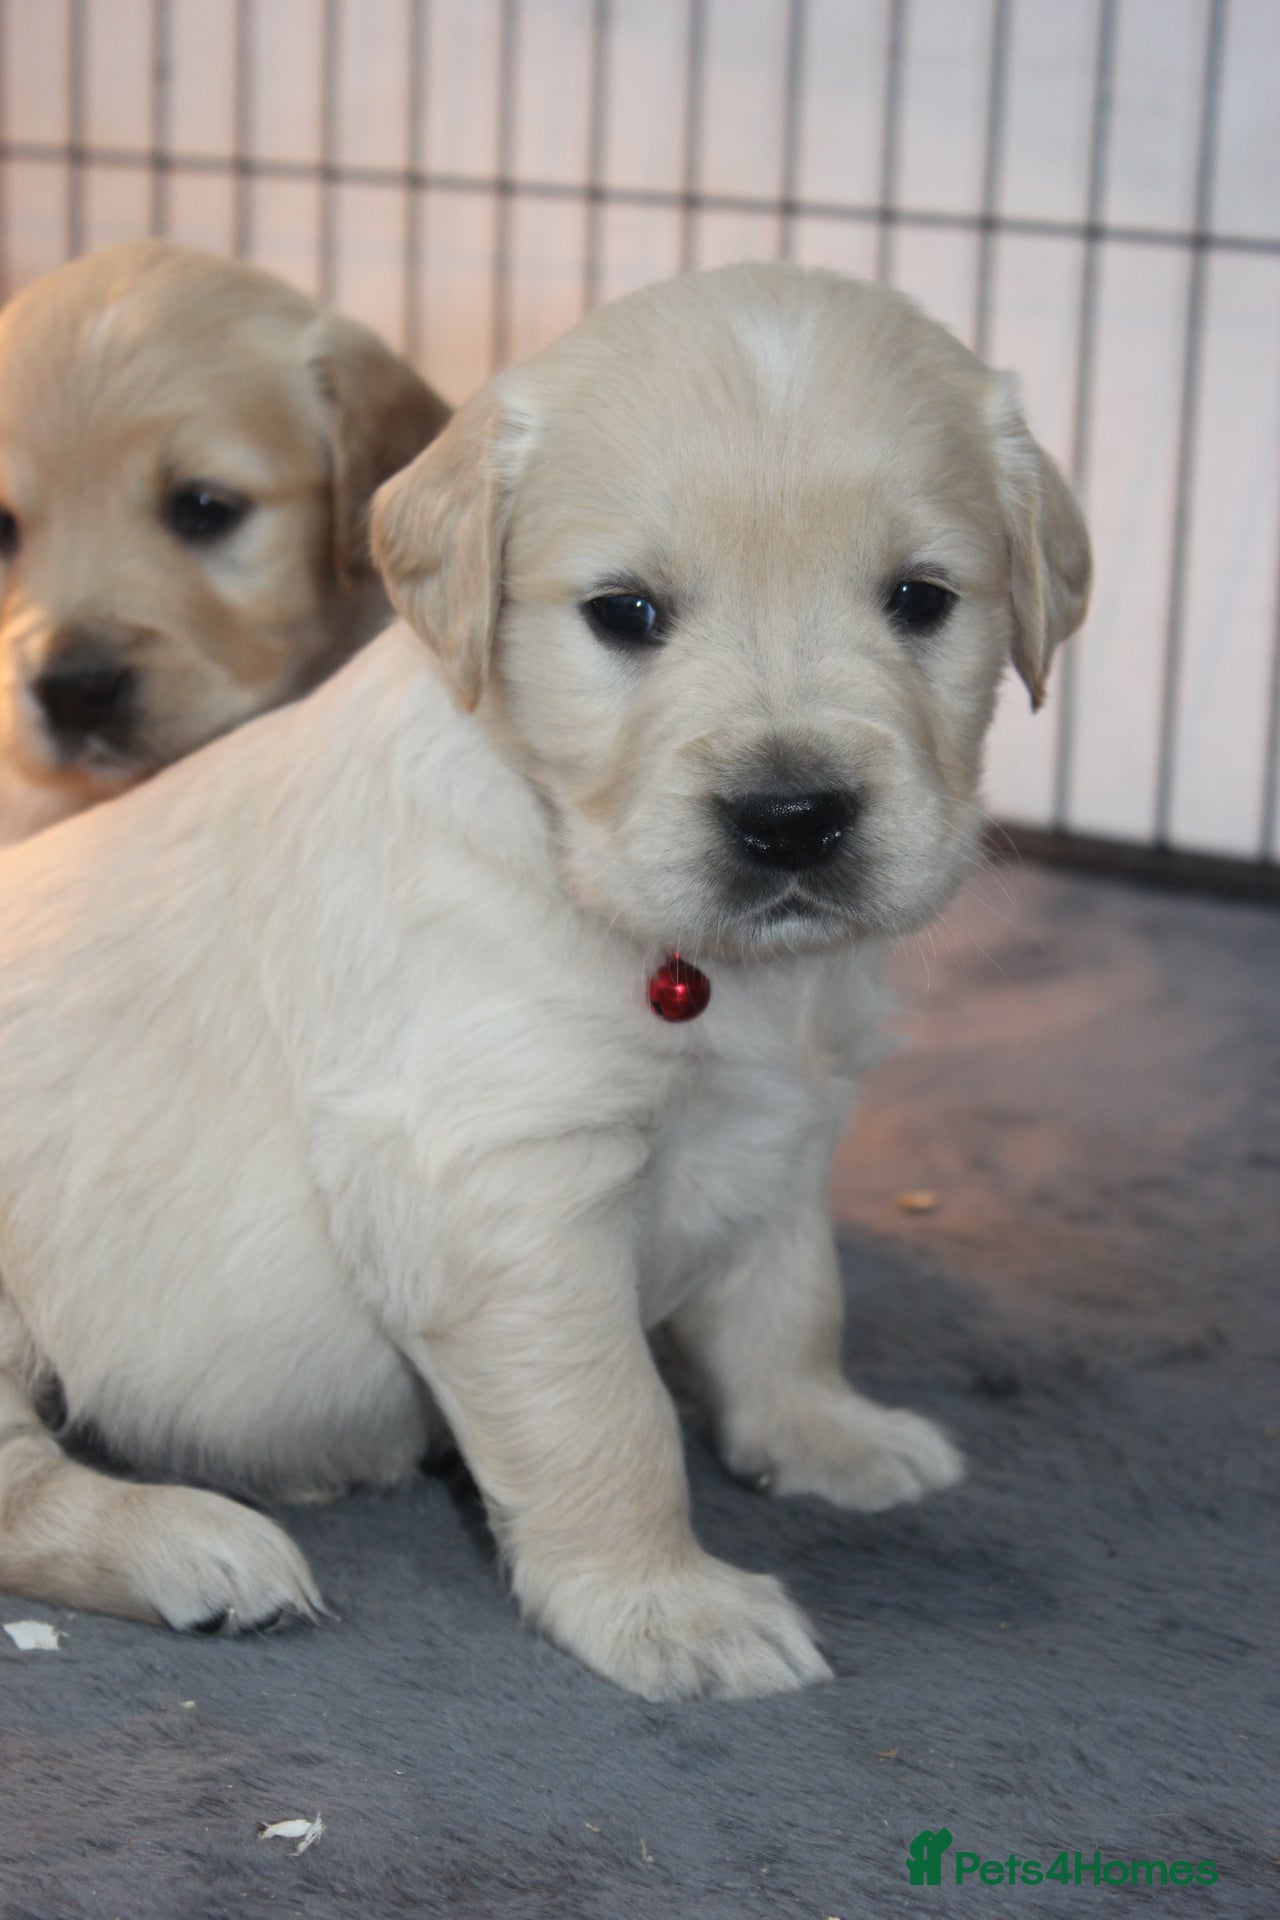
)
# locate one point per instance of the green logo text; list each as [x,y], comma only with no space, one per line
[925,1868]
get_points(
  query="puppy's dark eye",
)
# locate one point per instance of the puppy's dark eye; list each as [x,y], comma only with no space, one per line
[197,511]
[8,534]
[918,606]
[624,619]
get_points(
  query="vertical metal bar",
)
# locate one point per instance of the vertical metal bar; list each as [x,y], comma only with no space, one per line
[242,133]
[508,51]
[327,210]
[5,275]
[411,318]
[792,115]
[1188,421]
[161,69]
[691,165]
[1271,756]
[1086,355]
[997,88]
[593,219]
[77,25]
[890,137]
[1271,762]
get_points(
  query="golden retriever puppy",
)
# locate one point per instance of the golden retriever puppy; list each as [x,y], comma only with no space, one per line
[404,1058]
[187,452]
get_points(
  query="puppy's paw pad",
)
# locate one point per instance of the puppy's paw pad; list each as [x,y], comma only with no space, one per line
[212,1623]
[223,1621]
[710,1632]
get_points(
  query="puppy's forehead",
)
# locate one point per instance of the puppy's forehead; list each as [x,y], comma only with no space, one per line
[758,386]
[142,338]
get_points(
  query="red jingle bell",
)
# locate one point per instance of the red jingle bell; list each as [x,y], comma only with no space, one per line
[678,990]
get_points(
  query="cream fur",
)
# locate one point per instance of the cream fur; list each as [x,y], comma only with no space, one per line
[333,1106]
[122,375]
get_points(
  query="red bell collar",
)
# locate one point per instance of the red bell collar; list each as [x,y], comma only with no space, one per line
[679,990]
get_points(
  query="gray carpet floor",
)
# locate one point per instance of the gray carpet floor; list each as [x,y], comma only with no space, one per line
[1074,1651]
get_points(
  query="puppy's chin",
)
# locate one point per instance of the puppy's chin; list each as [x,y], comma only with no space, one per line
[91,772]
[797,922]
[692,911]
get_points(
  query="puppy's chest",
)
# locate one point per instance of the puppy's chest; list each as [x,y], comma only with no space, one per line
[747,1126]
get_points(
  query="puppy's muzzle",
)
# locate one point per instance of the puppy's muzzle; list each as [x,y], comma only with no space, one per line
[86,693]
[789,832]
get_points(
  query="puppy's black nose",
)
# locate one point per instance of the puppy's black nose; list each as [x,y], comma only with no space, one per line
[84,689]
[791,831]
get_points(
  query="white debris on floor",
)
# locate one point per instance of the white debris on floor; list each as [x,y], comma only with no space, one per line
[33,1636]
[305,1832]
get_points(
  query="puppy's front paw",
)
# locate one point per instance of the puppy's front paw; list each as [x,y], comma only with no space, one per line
[205,1564]
[707,1630]
[848,1450]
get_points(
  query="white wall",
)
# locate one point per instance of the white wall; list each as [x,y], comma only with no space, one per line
[1097,763]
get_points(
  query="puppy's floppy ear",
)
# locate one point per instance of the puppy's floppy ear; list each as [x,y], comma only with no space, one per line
[1051,567]
[378,415]
[438,530]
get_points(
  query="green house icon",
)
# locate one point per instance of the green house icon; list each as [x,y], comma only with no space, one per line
[924,1857]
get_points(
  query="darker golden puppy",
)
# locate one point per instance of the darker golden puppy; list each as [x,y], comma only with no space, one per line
[187,451]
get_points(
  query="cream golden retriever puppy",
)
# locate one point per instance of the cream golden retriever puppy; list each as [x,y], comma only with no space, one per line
[336,1110]
[187,452]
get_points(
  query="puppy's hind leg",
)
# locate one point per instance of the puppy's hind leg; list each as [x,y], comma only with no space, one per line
[764,1339]
[173,1555]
